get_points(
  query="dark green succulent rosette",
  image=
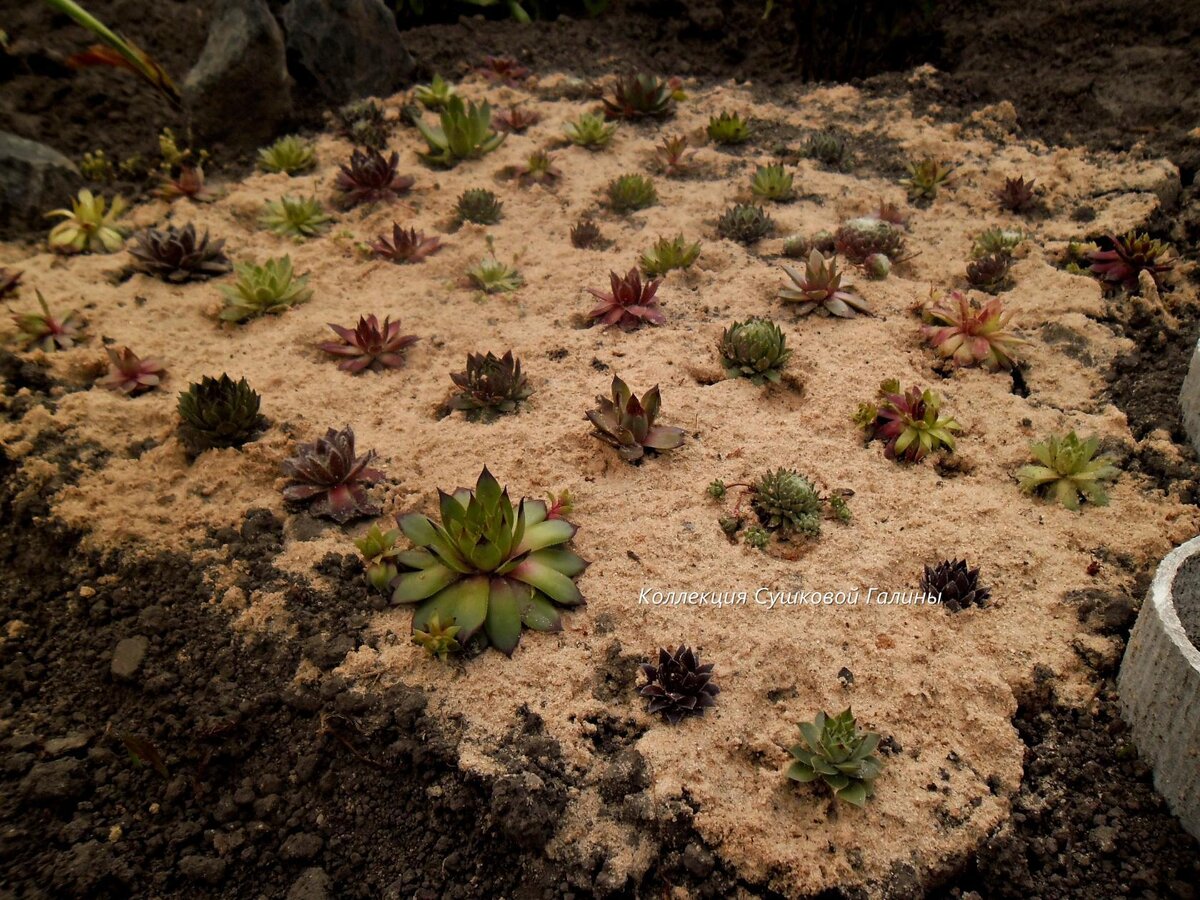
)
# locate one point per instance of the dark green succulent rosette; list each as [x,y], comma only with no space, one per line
[489,567]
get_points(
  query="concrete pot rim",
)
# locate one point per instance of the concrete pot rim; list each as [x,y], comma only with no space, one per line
[1162,595]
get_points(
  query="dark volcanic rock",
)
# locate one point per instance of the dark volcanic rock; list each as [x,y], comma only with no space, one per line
[34,179]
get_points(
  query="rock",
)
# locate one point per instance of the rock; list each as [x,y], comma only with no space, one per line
[346,48]
[55,782]
[208,869]
[313,884]
[239,90]
[301,845]
[697,860]
[34,179]
[68,744]
[128,656]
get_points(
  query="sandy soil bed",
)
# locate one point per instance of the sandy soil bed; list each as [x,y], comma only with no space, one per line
[942,687]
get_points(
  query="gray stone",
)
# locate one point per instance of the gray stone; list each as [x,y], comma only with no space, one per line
[129,655]
[55,782]
[239,91]
[348,48]
[71,743]
[1189,399]
[313,884]
[34,179]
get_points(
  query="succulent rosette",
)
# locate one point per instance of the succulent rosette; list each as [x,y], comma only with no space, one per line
[490,567]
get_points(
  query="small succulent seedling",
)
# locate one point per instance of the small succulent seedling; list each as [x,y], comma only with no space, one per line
[1016,195]
[369,345]
[728,128]
[590,131]
[674,158]
[585,235]
[784,500]
[329,479]
[10,283]
[972,335]
[89,226]
[489,567]
[539,168]
[925,176]
[628,193]
[822,288]
[756,537]
[295,217]
[826,147]
[877,266]
[503,70]
[494,277]
[290,155]
[867,236]
[218,413]
[435,95]
[515,119]
[380,555]
[990,273]
[835,751]
[46,331]
[679,685]
[668,254]
[268,289]
[956,584]
[478,205]
[1068,470]
[490,386]
[129,374]
[640,97]
[438,640]
[909,422]
[997,240]
[796,247]
[745,224]
[406,246]
[176,255]
[627,423]
[188,183]
[559,505]
[464,132]
[371,177]
[95,166]
[364,123]
[629,304]
[1129,255]
[755,349]
[772,183]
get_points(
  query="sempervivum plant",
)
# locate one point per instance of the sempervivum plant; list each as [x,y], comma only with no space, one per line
[89,226]
[489,386]
[438,639]
[972,335]
[772,183]
[640,97]
[218,412]
[628,193]
[585,235]
[406,246]
[503,70]
[515,120]
[539,168]
[363,122]
[290,155]
[268,289]
[629,304]
[380,555]
[330,479]
[909,422]
[478,205]
[369,345]
[997,240]
[188,183]
[489,568]
[492,276]
[755,349]
[728,128]
[628,423]
[867,236]
[1017,195]
[674,158]
[129,374]
[46,331]
[835,751]
[590,131]
[956,584]
[295,217]
[925,176]
[826,147]
[744,223]
[371,177]
[177,255]
[1128,255]
[668,254]
[990,273]
[679,685]
[822,287]
[784,500]
[465,132]
[1068,470]
[436,94]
